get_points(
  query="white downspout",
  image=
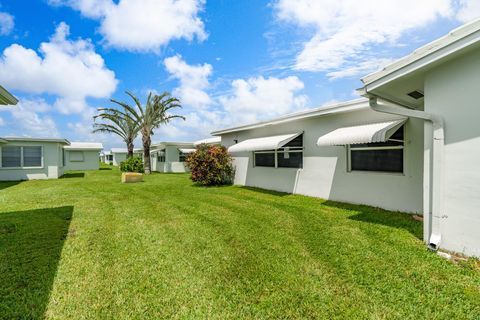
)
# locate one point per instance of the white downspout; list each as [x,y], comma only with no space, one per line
[432,219]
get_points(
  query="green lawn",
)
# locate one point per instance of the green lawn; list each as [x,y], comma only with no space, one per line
[87,246]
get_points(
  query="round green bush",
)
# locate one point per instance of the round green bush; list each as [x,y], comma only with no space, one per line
[133,164]
[210,165]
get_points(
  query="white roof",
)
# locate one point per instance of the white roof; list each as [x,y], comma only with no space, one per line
[265,143]
[366,133]
[124,150]
[213,140]
[458,39]
[29,139]
[347,106]
[84,146]
[187,150]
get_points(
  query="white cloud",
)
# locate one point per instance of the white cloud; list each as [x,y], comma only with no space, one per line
[29,118]
[193,81]
[71,70]
[143,25]
[360,69]
[469,10]
[6,23]
[346,32]
[260,97]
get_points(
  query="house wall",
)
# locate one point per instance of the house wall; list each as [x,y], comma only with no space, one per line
[171,163]
[324,172]
[90,160]
[52,163]
[118,158]
[452,91]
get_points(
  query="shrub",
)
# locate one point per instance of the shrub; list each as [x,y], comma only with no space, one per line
[210,165]
[133,164]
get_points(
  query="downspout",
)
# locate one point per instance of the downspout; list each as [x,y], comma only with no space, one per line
[435,185]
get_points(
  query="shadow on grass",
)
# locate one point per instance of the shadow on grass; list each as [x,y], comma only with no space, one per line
[73,175]
[31,243]
[8,184]
[104,169]
[379,216]
[265,191]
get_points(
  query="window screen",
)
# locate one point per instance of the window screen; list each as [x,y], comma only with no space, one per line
[381,157]
[161,156]
[76,156]
[32,156]
[290,159]
[11,157]
[265,159]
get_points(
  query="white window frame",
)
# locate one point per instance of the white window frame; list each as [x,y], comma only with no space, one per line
[21,157]
[349,150]
[276,152]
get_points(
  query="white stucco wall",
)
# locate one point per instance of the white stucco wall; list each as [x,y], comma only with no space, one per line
[452,90]
[171,163]
[118,158]
[324,172]
[90,160]
[51,168]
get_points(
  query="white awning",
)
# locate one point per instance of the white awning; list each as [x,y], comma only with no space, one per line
[265,143]
[186,150]
[367,133]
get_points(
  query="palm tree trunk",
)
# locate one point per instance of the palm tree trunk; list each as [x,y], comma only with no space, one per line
[146,153]
[130,149]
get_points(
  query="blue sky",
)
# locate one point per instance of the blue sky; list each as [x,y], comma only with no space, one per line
[230,62]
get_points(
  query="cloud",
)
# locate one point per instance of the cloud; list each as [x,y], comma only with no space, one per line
[259,97]
[6,23]
[143,25]
[29,118]
[71,70]
[362,68]
[346,32]
[469,10]
[193,81]
[245,100]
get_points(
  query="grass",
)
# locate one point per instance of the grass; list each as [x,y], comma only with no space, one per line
[89,247]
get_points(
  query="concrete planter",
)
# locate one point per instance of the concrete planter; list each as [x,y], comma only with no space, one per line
[131,177]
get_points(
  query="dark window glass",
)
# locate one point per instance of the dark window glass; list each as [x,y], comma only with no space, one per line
[182,156]
[161,156]
[377,160]
[297,142]
[265,159]
[290,159]
[32,156]
[11,157]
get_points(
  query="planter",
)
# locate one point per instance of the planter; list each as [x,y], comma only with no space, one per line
[131,177]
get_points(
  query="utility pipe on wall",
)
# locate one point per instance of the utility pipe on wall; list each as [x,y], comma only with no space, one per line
[435,185]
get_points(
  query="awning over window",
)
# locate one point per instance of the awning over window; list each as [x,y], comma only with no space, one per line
[186,150]
[367,133]
[265,143]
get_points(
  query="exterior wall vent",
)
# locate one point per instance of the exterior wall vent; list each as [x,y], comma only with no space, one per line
[416,94]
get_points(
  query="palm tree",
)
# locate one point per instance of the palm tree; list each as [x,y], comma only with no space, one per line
[117,123]
[150,117]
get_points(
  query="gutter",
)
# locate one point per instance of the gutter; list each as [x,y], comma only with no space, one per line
[433,230]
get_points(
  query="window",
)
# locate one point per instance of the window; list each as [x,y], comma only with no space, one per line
[380,157]
[289,156]
[161,156]
[76,156]
[32,156]
[182,156]
[18,157]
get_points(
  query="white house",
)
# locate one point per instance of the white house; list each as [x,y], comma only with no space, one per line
[411,145]
[31,158]
[120,154]
[170,156]
[82,156]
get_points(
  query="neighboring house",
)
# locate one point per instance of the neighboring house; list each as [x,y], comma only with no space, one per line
[6,98]
[209,141]
[120,154]
[106,157]
[31,158]
[170,156]
[82,156]
[412,146]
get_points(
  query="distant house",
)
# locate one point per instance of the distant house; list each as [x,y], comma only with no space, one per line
[31,158]
[411,145]
[6,98]
[82,156]
[106,157]
[120,154]
[208,141]
[170,156]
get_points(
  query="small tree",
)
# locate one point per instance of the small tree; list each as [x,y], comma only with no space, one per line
[133,164]
[211,165]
